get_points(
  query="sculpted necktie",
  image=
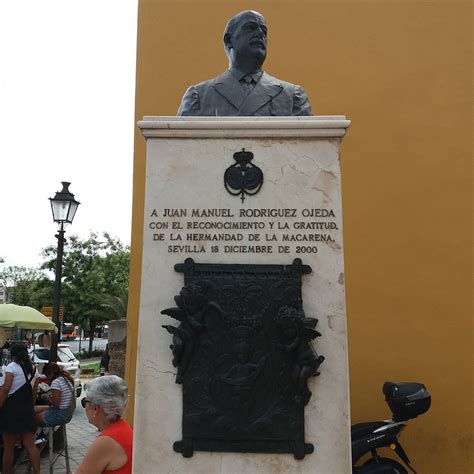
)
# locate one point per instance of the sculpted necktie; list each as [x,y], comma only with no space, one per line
[247,83]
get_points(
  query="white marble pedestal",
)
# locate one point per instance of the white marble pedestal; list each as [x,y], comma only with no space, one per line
[296,214]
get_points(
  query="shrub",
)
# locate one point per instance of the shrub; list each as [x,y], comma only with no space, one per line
[85,354]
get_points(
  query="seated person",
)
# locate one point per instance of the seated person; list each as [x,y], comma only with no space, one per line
[61,402]
[111,451]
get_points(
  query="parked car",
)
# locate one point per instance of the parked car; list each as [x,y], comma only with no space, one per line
[66,359]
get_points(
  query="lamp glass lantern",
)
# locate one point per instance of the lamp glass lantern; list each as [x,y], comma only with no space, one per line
[63,205]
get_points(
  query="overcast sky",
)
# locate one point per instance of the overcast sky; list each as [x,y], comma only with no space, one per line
[67,88]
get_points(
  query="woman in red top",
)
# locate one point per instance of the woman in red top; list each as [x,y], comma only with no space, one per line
[111,452]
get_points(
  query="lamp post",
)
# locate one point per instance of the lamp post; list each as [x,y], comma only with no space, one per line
[64,208]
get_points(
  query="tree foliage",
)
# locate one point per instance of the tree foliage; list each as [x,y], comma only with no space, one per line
[26,286]
[94,269]
[110,307]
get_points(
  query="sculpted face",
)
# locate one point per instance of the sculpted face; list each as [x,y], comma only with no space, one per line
[248,41]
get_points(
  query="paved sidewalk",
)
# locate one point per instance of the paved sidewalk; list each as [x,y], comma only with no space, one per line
[80,434]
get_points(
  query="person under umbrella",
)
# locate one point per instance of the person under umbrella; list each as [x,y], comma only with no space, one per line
[17,397]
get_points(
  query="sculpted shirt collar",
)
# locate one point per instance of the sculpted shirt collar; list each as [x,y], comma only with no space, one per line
[239,74]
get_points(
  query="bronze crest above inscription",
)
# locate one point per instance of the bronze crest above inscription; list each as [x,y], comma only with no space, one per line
[243,355]
[243,178]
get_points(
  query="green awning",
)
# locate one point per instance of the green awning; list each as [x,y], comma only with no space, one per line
[25,317]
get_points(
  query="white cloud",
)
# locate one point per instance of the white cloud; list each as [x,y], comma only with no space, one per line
[67,88]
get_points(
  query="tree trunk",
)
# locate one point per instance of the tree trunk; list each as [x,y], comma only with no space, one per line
[92,326]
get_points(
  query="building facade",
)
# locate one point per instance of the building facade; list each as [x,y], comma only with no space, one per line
[400,72]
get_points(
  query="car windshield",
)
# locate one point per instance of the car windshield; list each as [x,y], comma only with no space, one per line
[42,353]
[64,354]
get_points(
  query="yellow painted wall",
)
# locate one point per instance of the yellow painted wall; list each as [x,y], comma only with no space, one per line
[400,70]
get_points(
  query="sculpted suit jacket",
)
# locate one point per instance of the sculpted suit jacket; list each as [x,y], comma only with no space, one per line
[225,96]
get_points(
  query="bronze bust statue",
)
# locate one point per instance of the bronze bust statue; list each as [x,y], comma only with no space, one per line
[245,89]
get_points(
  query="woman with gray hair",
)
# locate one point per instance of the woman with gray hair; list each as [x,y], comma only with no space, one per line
[111,451]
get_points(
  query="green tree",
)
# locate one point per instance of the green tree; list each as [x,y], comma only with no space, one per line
[26,286]
[111,307]
[43,294]
[93,269]
[108,308]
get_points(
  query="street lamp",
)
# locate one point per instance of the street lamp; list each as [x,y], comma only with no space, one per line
[64,208]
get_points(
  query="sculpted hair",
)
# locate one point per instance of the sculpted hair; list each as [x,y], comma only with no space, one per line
[234,22]
[111,393]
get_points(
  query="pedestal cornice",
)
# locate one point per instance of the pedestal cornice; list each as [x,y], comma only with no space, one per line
[331,126]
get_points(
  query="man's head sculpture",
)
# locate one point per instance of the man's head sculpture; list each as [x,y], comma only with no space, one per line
[245,89]
[245,41]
